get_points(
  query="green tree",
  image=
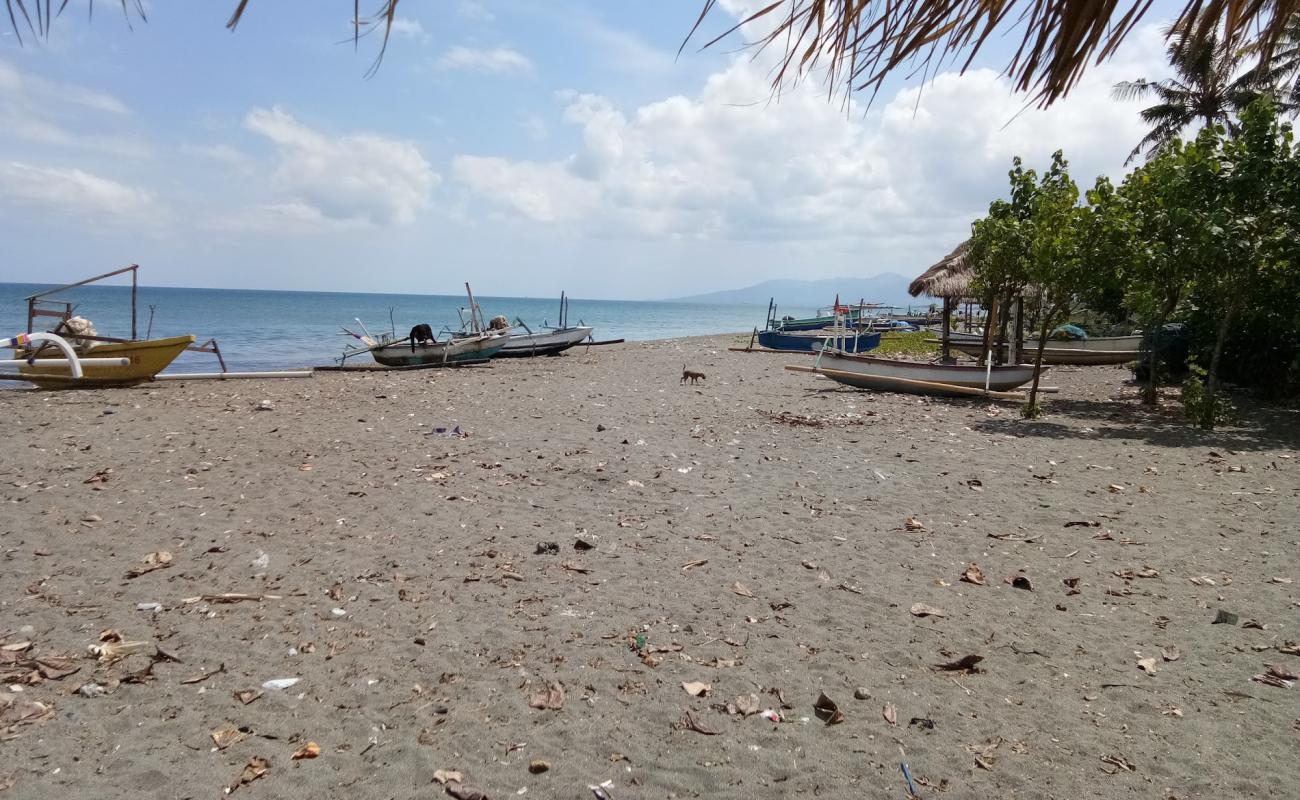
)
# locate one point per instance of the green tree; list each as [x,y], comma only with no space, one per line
[1252,221]
[1000,248]
[1167,201]
[1057,269]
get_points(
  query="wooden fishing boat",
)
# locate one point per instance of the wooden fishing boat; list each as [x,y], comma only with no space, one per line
[543,343]
[861,381]
[144,358]
[547,341]
[1082,352]
[848,340]
[147,358]
[867,372]
[453,352]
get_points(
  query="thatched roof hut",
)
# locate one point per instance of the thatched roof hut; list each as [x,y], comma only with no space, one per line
[949,279]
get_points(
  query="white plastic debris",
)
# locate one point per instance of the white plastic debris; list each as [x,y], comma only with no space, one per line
[278,684]
[338,612]
[91,690]
[154,607]
[262,561]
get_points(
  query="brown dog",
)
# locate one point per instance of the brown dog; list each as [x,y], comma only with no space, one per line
[695,377]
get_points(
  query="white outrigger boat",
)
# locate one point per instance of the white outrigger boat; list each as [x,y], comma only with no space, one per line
[458,349]
[547,341]
[1081,352]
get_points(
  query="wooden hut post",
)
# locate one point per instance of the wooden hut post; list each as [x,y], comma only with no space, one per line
[947,326]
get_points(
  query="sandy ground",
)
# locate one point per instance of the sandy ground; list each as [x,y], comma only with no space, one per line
[397,576]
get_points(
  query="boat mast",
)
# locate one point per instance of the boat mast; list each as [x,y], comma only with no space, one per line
[473,310]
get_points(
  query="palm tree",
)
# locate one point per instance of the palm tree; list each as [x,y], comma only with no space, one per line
[1208,87]
[1282,72]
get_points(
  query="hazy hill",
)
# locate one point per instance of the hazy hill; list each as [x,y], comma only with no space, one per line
[885,288]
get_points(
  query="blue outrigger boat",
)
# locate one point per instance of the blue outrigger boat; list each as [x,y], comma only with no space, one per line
[847,340]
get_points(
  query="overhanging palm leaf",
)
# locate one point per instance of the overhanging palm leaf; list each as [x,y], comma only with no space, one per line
[858,43]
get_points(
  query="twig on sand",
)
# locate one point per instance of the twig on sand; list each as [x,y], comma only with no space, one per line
[1006,537]
[229,597]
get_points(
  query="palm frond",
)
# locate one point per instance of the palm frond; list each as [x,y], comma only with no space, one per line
[857,43]
[1132,90]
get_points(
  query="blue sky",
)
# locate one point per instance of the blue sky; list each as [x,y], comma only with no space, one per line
[524,145]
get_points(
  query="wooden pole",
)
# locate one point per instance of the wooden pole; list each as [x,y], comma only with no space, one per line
[134,281]
[1017,325]
[947,326]
[473,312]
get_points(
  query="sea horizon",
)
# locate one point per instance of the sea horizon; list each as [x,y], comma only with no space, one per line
[269,329]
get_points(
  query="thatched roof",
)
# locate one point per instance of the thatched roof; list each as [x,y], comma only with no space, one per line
[950,277]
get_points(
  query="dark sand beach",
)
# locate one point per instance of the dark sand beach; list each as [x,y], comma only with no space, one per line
[750,534]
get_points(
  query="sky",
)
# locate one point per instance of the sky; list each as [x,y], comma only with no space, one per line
[526,146]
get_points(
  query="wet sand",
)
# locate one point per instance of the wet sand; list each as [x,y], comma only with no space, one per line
[750,533]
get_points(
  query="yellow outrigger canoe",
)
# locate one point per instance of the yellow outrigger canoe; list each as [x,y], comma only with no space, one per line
[148,357]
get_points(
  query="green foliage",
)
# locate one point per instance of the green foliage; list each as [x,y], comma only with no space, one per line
[919,344]
[1204,409]
[1206,231]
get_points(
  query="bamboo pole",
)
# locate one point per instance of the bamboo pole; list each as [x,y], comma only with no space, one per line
[224,376]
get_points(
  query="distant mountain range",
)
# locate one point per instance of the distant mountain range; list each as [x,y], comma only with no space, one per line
[887,287]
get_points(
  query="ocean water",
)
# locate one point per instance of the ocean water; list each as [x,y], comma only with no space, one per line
[270,330]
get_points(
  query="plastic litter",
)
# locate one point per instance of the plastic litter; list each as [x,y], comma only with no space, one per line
[276,684]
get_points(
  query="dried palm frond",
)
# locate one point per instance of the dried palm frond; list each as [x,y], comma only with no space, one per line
[860,42]
[45,10]
[45,14]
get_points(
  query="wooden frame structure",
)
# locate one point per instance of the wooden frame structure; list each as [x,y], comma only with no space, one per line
[63,314]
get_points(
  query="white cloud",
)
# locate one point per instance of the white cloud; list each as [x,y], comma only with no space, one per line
[622,50]
[493,60]
[900,182]
[355,177]
[36,109]
[73,192]
[410,28]
[13,82]
[469,9]
[281,219]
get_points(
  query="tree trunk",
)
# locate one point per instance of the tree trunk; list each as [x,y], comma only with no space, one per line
[1038,357]
[990,320]
[1170,304]
[1003,324]
[1212,383]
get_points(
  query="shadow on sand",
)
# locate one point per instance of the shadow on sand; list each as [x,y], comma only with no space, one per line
[1258,427]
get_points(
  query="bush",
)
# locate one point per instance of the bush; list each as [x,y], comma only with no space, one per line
[1202,410]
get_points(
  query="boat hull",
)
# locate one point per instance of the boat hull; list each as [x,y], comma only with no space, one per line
[147,358]
[813,340]
[543,343]
[439,354]
[1079,352]
[885,374]
[817,323]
